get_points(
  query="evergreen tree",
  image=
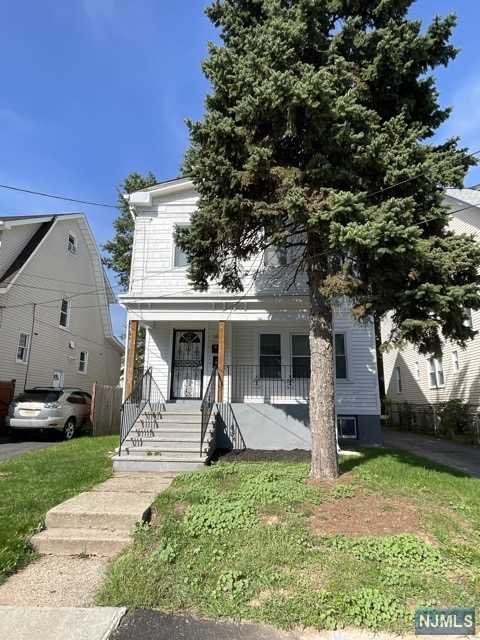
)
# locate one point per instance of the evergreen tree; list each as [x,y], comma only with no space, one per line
[317,133]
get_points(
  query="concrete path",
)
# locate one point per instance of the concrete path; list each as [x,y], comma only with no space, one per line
[464,458]
[17,623]
[10,448]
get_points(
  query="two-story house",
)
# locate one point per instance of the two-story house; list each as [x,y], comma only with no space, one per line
[255,344]
[425,380]
[55,324]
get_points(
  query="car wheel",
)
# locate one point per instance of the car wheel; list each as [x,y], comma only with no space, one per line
[69,429]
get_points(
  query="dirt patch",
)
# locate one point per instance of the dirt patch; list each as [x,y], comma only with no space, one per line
[259,455]
[180,508]
[270,519]
[366,515]
[265,595]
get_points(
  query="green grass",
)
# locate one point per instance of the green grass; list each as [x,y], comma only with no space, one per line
[235,541]
[35,482]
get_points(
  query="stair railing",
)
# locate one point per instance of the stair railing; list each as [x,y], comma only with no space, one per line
[207,406]
[145,393]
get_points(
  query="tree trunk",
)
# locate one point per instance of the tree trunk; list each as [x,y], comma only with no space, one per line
[322,385]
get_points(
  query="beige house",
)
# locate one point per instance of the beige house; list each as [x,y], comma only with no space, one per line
[417,379]
[55,326]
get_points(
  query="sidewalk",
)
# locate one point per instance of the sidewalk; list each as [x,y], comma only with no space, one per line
[464,458]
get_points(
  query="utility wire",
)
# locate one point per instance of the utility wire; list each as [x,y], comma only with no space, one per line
[57,197]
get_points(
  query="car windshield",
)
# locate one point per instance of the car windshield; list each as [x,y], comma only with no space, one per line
[39,395]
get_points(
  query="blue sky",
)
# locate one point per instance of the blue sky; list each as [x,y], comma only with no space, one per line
[94,89]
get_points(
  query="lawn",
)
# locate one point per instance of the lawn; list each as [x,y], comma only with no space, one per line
[33,483]
[255,541]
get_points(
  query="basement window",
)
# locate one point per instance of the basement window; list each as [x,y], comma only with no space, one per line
[347,427]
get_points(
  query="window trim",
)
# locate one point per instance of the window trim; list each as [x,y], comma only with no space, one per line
[339,432]
[259,352]
[25,347]
[68,312]
[85,362]
[346,356]
[75,243]
[178,225]
[433,368]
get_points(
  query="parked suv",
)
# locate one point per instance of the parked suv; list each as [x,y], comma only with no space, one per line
[65,410]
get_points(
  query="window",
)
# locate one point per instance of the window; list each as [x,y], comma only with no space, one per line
[340,356]
[83,362]
[300,356]
[398,380]
[467,318]
[275,256]
[65,313]
[455,361]
[22,347]
[435,372]
[1,316]
[417,370]
[270,355]
[347,427]
[179,256]
[71,243]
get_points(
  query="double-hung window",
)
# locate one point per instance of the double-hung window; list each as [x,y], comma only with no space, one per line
[83,362]
[270,355]
[179,256]
[435,372]
[300,356]
[71,244]
[22,347]
[65,313]
[340,356]
[398,380]
[275,256]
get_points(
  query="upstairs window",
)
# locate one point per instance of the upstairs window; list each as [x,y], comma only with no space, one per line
[455,362]
[179,256]
[275,256]
[65,313]
[300,356]
[83,362]
[22,347]
[435,372]
[270,355]
[340,357]
[467,318]
[398,380]
[71,244]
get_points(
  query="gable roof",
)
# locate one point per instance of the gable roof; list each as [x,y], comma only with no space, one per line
[469,196]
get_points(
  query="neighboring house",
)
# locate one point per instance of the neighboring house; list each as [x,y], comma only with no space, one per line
[55,324]
[417,379]
[258,339]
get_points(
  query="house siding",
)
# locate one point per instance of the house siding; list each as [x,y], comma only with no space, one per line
[47,277]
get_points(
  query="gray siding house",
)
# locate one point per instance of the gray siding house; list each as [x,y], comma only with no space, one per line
[55,324]
[246,356]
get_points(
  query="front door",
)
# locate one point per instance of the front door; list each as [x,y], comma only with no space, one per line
[187,365]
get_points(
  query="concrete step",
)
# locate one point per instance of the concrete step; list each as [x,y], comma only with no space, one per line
[163,452]
[180,418]
[74,542]
[163,445]
[100,510]
[170,427]
[155,464]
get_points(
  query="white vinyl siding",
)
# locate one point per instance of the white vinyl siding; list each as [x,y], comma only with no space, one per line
[22,347]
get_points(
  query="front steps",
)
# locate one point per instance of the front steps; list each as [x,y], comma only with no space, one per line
[99,522]
[166,440]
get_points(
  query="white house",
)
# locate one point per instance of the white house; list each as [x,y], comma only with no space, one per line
[55,324]
[258,341]
[417,379]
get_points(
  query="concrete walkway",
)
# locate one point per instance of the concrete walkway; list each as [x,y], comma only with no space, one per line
[17,623]
[464,458]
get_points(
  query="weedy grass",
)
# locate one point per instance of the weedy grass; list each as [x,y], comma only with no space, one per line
[33,483]
[223,554]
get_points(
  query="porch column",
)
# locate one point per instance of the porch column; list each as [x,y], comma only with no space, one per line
[130,356]
[221,359]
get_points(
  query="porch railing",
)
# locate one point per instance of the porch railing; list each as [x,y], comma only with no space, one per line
[145,393]
[207,406]
[268,382]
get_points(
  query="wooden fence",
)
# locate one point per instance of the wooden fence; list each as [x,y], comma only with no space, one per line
[105,413]
[7,391]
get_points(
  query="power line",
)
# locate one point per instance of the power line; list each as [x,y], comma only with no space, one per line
[70,333]
[57,197]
